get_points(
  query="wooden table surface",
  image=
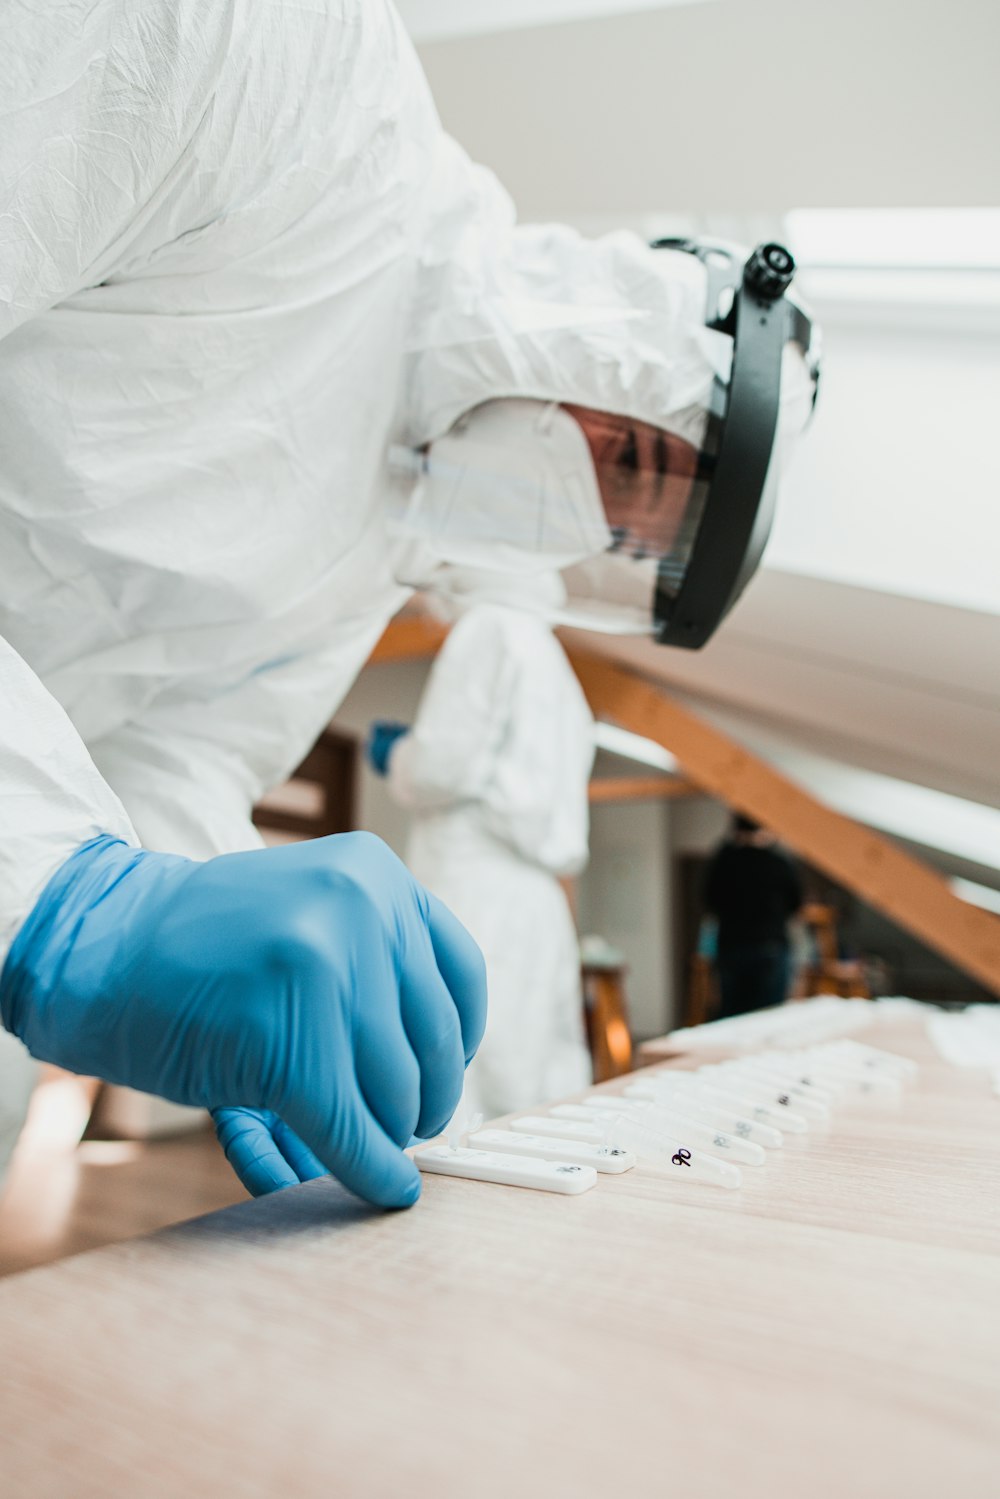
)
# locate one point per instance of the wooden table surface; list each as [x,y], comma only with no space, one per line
[831,1329]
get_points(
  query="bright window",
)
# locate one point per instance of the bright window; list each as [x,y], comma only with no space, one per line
[902,239]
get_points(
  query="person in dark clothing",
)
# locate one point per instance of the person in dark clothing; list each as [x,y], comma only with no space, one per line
[753,889]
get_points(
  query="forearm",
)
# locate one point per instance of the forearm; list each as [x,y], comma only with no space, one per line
[54,800]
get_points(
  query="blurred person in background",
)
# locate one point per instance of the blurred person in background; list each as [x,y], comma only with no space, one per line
[753,890]
[495,771]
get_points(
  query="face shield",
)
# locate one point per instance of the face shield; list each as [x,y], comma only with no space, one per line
[653,529]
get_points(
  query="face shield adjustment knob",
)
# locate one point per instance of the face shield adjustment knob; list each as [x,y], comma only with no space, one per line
[769,271]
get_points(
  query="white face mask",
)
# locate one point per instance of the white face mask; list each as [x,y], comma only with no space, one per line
[510,487]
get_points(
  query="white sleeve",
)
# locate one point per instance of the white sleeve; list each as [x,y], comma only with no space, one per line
[84,137]
[450,754]
[77,157]
[52,796]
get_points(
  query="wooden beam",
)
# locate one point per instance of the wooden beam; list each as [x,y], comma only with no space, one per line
[902,887]
[640,789]
[409,637]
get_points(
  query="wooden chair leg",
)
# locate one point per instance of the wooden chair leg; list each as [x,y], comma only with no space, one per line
[608,1031]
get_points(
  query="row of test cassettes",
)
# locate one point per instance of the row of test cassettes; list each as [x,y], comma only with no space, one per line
[707,1125]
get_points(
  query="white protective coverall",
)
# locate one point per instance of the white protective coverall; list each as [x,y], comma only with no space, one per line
[495,771]
[239,258]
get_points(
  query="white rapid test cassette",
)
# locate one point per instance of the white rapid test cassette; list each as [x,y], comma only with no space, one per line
[650,1140]
[504,1167]
[587,1130]
[814,1081]
[715,1088]
[658,1147]
[692,1131]
[686,1100]
[694,1125]
[507,1170]
[604,1159]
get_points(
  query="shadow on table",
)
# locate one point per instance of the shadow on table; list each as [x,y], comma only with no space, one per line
[315,1207]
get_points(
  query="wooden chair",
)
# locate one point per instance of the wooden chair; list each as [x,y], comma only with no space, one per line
[319,798]
[606,1014]
[831,974]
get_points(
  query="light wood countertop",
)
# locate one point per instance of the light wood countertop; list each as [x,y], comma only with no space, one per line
[830,1330]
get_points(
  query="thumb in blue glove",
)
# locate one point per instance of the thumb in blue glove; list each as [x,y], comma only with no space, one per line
[382,737]
[315,997]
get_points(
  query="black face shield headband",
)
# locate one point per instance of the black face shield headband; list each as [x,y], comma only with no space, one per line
[727,524]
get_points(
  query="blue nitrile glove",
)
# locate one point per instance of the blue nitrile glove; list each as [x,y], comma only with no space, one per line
[381,737]
[315,997]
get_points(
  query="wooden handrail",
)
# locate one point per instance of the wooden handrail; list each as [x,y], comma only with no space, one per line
[640,789]
[905,889]
[408,637]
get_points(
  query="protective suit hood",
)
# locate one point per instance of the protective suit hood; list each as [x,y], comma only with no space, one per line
[540,312]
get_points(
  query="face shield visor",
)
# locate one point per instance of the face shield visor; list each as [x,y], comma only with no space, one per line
[652,529]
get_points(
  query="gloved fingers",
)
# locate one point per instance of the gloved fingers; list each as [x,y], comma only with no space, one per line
[461,965]
[246,1137]
[387,1071]
[303,1162]
[354,1147]
[432,1024]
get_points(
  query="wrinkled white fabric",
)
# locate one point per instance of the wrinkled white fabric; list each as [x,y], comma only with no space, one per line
[53,798]
[239,259]
[537,311]
[495,772]
[452,591]
[512,480]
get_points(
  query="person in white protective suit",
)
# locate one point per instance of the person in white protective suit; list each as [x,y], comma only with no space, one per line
[241,267]
[495,771]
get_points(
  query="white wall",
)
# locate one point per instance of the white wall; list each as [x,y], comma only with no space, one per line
[697,824]
[747,104]
[626,896]
[897,485]
[389,691]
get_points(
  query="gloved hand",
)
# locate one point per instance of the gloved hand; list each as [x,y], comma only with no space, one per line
[315,997]
[381,737]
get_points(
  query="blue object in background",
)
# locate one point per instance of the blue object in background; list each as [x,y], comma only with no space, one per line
[381,737]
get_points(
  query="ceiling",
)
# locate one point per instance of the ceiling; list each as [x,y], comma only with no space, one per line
[435,19]
[900,687]
[738,105]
